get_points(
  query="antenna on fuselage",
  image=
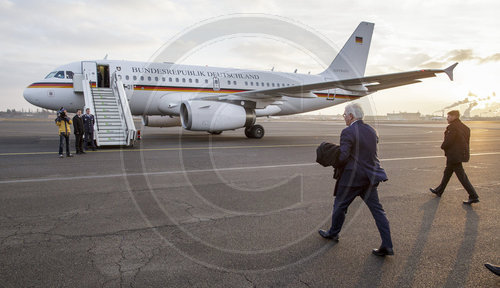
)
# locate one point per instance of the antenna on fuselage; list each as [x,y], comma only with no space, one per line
[295,71]
[106,57]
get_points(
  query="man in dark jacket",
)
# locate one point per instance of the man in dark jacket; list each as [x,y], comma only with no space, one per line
[360,177]
[88,126]
[78,127]
[456,149]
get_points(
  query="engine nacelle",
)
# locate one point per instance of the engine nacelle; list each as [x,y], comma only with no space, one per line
[161,121]
[215,116]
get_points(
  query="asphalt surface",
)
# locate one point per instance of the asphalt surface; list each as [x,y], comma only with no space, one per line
[184,209]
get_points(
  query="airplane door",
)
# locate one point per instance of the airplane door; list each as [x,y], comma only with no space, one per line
[216,84]
[89,70]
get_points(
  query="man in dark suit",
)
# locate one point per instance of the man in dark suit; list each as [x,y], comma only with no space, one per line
[88,126]
[361,175]
[456,149]
[78,127]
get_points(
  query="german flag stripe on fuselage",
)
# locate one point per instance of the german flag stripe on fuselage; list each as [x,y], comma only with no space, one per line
[185,89]
[51,85]
[338,96]
[179,89]
[56,85]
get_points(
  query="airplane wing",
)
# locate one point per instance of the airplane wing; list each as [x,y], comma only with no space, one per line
[364,84]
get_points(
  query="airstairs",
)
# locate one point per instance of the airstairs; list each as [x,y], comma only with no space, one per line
[114,124]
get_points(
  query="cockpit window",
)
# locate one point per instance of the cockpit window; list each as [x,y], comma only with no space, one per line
[51,74]
[59,74]
[69,74]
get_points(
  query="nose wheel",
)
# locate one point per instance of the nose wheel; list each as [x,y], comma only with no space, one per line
[255,131]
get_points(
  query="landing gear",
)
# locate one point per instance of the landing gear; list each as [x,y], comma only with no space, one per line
[255,131]
[215,132]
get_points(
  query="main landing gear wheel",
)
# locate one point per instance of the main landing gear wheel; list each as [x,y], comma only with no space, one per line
[255,131]
[215,132]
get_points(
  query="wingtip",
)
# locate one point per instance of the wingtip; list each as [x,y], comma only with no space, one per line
[449,70]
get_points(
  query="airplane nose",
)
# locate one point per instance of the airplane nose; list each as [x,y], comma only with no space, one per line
[29,95]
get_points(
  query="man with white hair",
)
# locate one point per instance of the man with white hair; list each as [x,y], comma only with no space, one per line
[360,177]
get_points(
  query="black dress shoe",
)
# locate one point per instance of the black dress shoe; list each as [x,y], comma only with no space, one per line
[435,191]
[493,268]
[382,251]
[327,235]
[470,201]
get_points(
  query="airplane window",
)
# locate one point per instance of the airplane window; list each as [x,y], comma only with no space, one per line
[234,82]
[135,77]
[156,79]
[142,78]
[257,83]
[278,84]
[190,80]
[169,79]
[59,74]
[176,79]
[51,74]
[246,83]
[183,80]
[127,77]
[196,80]
[206,81]
[272,84]
[251,83]
[228,82]
[69,74]
[149,78]
[163,79]
[267,84]
[120,77]
[262,83]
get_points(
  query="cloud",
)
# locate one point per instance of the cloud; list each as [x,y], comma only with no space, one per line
[466,100]
[458,55]
[491,58]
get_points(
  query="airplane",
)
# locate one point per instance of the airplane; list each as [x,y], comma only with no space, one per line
[216,99]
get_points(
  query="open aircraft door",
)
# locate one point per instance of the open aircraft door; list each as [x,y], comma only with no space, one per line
[89,70]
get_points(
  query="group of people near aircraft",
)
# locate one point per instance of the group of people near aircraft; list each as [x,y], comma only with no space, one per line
[83,129]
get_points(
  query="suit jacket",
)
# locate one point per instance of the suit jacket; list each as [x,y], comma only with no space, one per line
[78,124]
[456,142]
[358,156]
[327,154]
[88,122]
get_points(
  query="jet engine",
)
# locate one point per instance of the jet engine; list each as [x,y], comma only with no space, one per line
[160,121]
[213,116]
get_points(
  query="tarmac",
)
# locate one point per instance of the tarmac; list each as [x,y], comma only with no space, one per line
[188,209]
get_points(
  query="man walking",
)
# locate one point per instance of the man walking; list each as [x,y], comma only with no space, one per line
[78,126]
[88,126]
[360,177]
[456,149]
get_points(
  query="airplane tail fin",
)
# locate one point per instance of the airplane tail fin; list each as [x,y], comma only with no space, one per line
[351,60]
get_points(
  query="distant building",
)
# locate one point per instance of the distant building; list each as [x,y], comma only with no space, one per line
[403,116]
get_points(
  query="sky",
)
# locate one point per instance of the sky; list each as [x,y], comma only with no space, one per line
[38,36]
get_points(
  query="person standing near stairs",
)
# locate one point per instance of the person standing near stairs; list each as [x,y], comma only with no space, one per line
[64,123]
[88,126]
[78,125]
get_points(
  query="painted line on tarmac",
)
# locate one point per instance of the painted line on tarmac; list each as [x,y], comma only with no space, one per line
[65,178]
[169,149]
[216,148]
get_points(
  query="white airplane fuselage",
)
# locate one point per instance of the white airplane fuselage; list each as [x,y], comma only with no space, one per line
[152,87]
[215,99]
